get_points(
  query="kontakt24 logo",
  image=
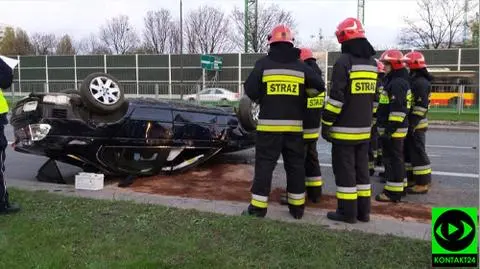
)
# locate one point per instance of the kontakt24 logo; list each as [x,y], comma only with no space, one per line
[455,237]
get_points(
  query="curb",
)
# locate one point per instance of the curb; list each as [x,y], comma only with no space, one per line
[378,224]
[445,127]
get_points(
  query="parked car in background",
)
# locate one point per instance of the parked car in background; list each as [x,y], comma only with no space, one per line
[214,95]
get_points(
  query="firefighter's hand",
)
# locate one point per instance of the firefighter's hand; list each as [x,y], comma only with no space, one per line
[326,133]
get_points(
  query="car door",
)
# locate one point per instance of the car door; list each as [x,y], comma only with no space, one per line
[205,95]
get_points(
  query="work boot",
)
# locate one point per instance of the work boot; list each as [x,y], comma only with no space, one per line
[337,216]
[386,197]
[284,199]
[314,194]
[418,189]
[255,211]
[296,211]
[9,208]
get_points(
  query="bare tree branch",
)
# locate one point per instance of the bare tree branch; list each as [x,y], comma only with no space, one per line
[438,26]
[157,30]
[44,44]
[207,31]
[65,46]
[268,17]
[174,37]
[118,35]
[92,45]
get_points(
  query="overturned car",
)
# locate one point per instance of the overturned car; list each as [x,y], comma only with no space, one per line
[97,129]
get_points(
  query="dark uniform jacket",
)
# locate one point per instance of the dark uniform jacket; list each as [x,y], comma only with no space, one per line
[348,110]
[277,83]
[394,104]
[311,123]
[420,81]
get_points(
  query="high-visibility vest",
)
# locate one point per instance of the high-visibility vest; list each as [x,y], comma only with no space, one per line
[3,103]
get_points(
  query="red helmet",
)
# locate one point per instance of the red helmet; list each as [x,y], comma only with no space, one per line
[306,54]
[348,29]
[380,66]
[280,33]
[415,60]
[394,58]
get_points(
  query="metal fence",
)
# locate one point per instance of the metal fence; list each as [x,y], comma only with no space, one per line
[178,76]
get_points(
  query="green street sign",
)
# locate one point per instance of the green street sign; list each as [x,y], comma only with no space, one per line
[210,62]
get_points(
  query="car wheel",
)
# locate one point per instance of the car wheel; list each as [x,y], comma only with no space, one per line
[102,93]
[191,99]
[247,113]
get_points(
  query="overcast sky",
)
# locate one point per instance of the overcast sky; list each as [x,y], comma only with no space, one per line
[79,18]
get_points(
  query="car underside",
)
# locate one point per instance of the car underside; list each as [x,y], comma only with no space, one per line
[138,137]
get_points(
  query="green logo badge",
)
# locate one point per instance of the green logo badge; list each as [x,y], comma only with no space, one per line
[454,237]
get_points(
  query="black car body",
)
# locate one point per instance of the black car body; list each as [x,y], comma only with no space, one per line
[143,137]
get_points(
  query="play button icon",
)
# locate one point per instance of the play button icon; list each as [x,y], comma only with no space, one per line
[451,229]
[454,230]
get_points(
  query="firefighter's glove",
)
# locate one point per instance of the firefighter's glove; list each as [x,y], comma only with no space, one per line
[326,133]
[388,132]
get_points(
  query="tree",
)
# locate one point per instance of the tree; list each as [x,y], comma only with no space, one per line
[268,17]
[439,24]
[44,43]
[65,46]
[207,31]
[320,43]
[174,37]
[15,43]
[157,30]
[92,45]
[118,35]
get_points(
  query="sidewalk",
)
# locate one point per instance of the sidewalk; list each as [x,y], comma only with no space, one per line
[453,126]
[378,224]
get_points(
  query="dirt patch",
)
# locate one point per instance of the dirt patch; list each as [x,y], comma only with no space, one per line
[232,182]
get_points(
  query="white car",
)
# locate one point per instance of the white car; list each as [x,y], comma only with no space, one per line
[213,94]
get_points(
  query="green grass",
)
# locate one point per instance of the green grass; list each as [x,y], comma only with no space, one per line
[453,116]
[54,231]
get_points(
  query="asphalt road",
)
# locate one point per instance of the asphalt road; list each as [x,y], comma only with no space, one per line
[454,157]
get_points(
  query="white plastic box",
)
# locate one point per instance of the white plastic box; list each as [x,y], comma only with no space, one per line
[89,181]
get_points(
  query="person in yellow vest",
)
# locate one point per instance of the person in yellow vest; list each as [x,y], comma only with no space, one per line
[6,79]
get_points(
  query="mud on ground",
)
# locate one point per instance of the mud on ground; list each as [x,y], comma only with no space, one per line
[232,182]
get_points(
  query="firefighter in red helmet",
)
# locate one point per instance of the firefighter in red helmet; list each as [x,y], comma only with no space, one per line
[278,83]
[374,143]
[392,122]
[417,163]
[346,121]
[311,133]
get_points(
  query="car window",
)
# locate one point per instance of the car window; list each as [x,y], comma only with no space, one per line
[205,92]
[152,114]
[217,91]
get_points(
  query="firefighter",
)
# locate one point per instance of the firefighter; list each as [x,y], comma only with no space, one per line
[311,132]
[392,124]
[346,121]
[6,79]
[417,163]
[373,150]
[278,84]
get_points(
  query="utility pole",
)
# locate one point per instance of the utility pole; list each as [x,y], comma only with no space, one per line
[181,48]
[251,10]
[361,11]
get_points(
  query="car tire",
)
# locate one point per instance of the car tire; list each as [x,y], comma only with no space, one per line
[248,113]
[191,99]
[96,82]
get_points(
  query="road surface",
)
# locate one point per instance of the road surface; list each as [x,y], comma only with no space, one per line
[454,157]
